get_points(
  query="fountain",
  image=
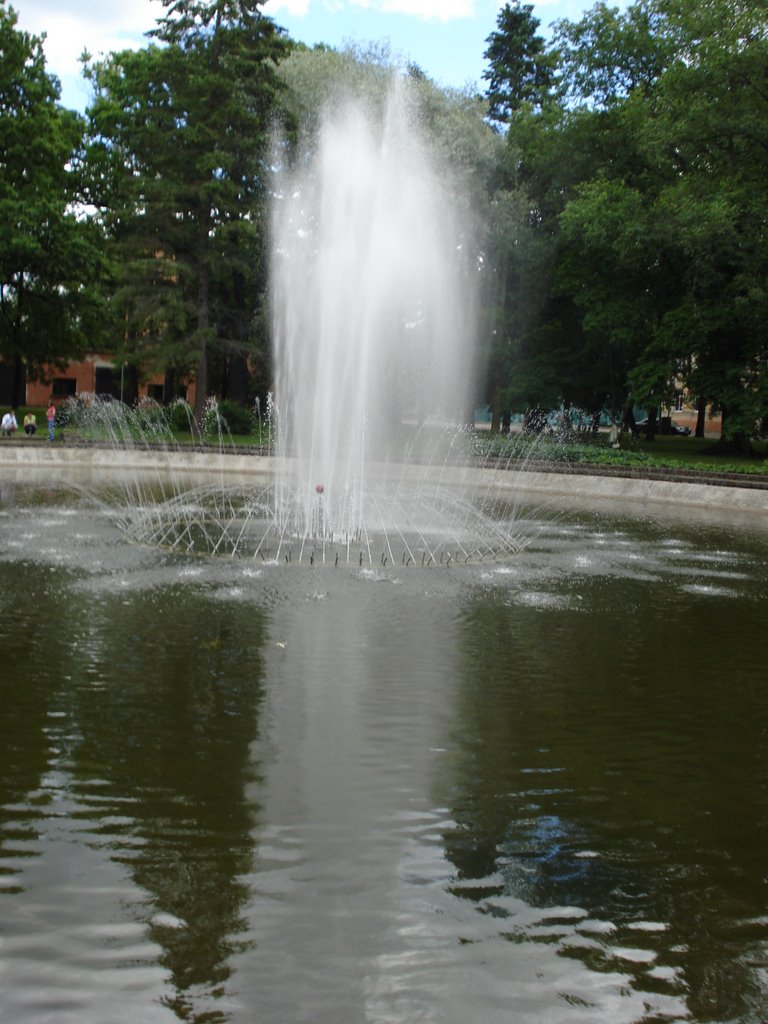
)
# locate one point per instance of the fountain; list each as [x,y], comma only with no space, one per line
[373,309]
[372,324]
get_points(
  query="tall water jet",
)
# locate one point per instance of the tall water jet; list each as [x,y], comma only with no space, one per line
[373,311]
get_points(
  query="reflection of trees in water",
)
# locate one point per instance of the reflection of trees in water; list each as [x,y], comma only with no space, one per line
[616,762]
[28,685]
[169,729]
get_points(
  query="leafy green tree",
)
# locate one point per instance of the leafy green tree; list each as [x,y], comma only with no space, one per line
[519,370]
[709,124]
[609,54]
[49,250]
[586,179]
[612,266]
[648,188]
[671,249]
[549,354]
[132,186]
[522,369]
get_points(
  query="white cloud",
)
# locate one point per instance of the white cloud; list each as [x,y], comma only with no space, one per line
[426,10]
[98,26]
[295,8]
[104,26]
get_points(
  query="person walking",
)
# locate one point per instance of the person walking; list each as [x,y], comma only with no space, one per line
[50,415]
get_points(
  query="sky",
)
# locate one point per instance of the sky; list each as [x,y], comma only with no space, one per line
[445,38]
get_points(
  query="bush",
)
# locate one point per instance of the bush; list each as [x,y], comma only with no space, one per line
[71,412]
[180,416]
[151,416]
[236,418]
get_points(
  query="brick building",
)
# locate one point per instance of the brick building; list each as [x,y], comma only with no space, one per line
[96,374]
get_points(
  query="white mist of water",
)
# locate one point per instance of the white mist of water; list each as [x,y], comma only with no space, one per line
[371,293]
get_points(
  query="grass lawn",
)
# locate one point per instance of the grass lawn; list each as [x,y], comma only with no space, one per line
[690,453]
[664,452]
[670,452]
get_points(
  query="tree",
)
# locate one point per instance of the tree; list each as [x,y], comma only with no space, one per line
[699,135]
[610,55]
[709,125]
[521,71]
[49,251]
[553,354]
[181,131]
[651,184]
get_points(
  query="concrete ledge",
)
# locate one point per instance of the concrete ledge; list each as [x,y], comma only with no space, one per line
[634,489]
[36,456]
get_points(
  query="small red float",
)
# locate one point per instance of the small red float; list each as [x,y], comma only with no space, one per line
[320,488]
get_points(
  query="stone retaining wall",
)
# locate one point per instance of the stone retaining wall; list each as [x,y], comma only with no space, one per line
[620,484]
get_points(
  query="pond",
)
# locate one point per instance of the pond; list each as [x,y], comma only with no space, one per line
[530,791]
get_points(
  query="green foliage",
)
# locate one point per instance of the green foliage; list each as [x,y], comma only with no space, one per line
[681,453]
[521,71]
[214,427]
[649,190]
[610,55]
[49,253]
[180,416]
[223,420]
[236,418]
[617,225]
[178,138]
[152,418]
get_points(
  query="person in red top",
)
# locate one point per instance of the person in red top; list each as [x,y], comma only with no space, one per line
[51,417]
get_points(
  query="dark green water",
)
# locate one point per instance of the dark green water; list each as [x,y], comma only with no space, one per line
[526,793]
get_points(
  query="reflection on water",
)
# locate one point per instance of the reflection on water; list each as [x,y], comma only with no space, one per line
[529,792]
[613,760]
[126,829]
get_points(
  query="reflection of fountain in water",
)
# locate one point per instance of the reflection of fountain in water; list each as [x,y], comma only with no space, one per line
[372,309]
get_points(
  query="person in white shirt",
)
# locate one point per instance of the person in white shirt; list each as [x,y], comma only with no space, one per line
[9,425]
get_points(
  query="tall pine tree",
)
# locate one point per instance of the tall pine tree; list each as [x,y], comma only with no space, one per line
[182,131]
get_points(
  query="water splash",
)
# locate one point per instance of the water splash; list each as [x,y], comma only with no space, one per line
[373,310]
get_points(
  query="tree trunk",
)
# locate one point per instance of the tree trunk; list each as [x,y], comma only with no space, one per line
[496,409]
[628,417]
[701,417]
[169,386]
[237,375]
[19,386]
[237,378]
[201,380]
[650,430]
[738,443]
[201,385]
[131,382]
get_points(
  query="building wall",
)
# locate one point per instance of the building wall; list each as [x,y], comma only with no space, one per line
[89,376]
